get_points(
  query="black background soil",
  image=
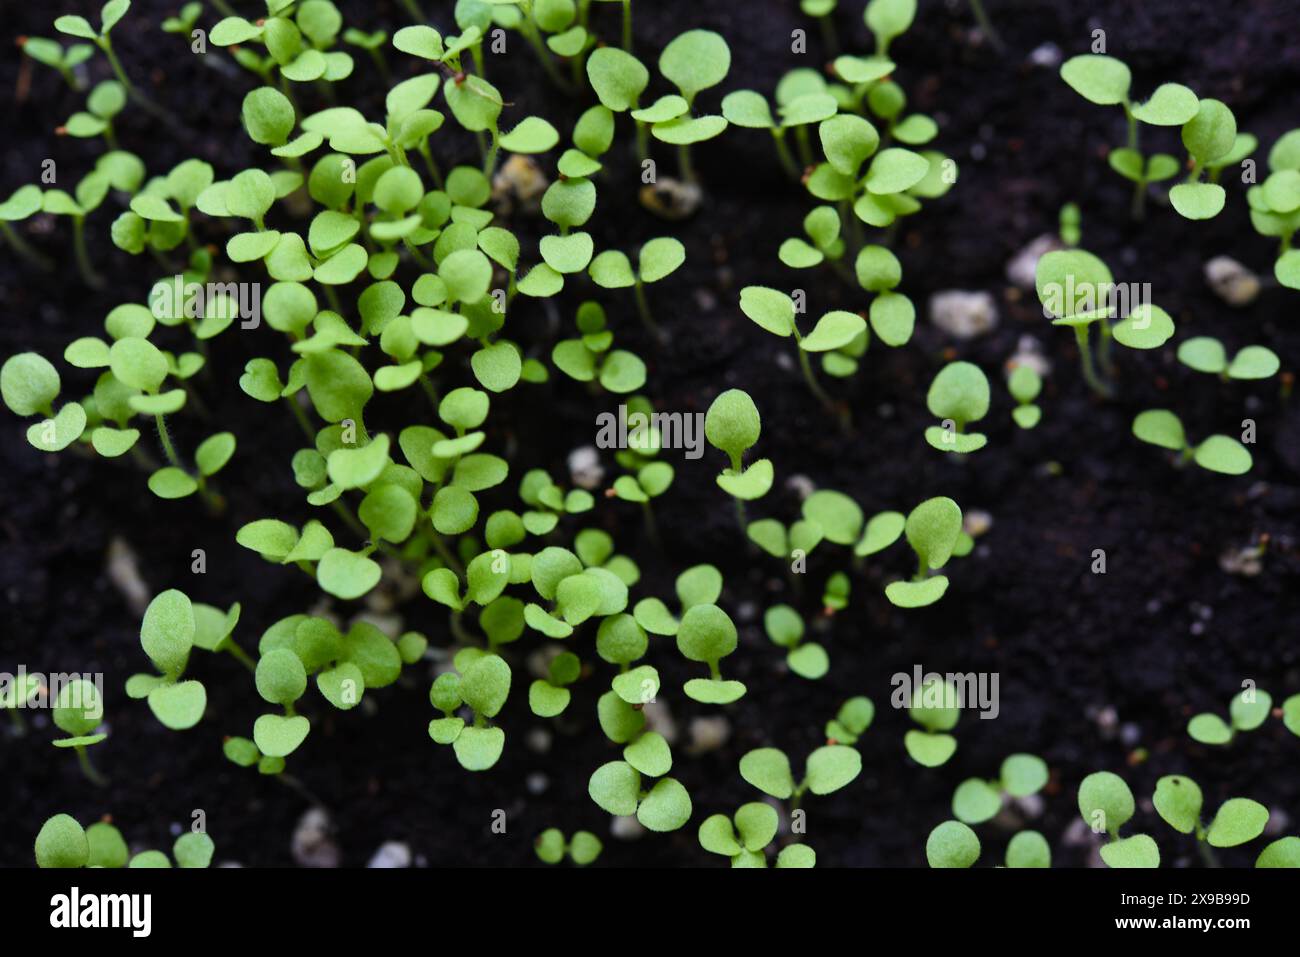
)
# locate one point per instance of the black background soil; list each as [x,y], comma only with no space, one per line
[1164,634]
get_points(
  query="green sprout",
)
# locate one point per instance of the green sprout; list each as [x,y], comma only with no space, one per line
[1275,205]
[851,721]
[1077,290]
[20,693]
[958,395]
[54,55]
[1208,129]
[693,62]
[935,707]
[481,682]
[657,259]
[78,711]
[774,311]
[785,627]
[617,786]
[22,204]
[1178,801]
[744,836]
[551,847]
[109,15]
[63,843]
[1025,384]
[1106,804]
[549,696]
[707,634]
[826,770]
[168,635]
[749,109]
[1247,711]
[1207,354]
[1069,227]
[732,425]
[590,358]
[976,800]
[835,596]
[1218,453]
[932,529]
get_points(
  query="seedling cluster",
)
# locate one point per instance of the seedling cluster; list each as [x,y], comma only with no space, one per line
[407,304]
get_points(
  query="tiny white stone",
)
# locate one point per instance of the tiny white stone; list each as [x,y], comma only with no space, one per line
[963,314]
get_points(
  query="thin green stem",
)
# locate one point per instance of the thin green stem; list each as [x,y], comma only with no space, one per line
[684,163]
[448,559]
[88,768]
[164,437]
[643,310]
[88,273]
[23,248]
[1085,360]
[627,25]
[783,153]
[985,24]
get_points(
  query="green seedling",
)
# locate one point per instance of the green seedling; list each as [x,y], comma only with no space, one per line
[1208,129]
[826,770]
[694,61]
[851,721]
[795,542]
[835,596]
[17,694]
[707,634]
[1247,711]
[54,55]
[657,259]
[785,627]
[749,109]
[590,357]
[1070,225]
[24,203]
[1206,354]
[1178,801]
[63,843]
[481,682]
[976,800]
[934,705]
[1106,804]
[185,20]
[648,478]
[168,634]
[106,100]
[109,16]
[933,529]
[551,847]
[774,311]
[744,836]
[549,696]
[618,787]
[958,395]
[732,425]
[823,11]
[1218,453]
[1275,206]
[78,711]
[1025,384]
[1077,290]
[824,242]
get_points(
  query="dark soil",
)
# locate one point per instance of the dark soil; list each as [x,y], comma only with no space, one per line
[1165,633]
